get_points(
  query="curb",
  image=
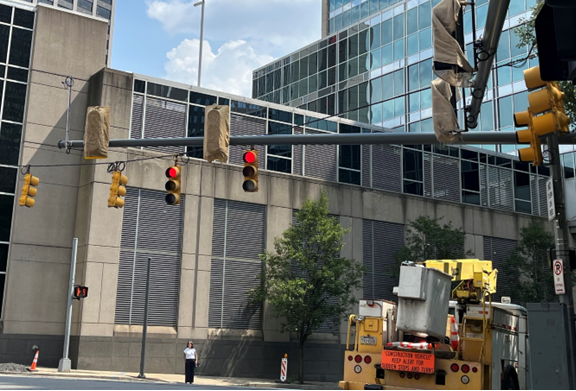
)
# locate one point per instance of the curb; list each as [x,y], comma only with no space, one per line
[86,376]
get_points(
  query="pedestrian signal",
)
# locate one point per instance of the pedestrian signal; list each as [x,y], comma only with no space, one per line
[80,292]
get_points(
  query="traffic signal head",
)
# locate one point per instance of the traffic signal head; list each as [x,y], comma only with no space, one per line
[250,171]
[29,190]
[528,136]
[117,190]
[548,100]
[173,185]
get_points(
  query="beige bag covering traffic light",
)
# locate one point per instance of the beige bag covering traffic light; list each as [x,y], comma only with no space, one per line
[97,132]
[446,49]
[216,133]
[443,115]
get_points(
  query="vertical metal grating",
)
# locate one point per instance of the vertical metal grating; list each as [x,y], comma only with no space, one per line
[483,185]
[246,126]
[498,250]
[165,119]
[427,161]
[238,239]
[387,167]
[145,235]
[534,194]
[500,188]
[366,169]
[446,178]
[542,193]
[320,160]
[137,115]
[298,154]
[381,240]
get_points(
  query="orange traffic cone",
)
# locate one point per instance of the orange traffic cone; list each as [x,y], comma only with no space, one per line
[33,366]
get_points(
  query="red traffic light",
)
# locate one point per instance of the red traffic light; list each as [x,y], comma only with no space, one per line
[249,157]
[172,172]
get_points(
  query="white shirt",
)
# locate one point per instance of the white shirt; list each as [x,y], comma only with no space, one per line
[190,353]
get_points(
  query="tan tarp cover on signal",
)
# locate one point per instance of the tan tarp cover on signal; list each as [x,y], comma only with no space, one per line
[444,117]
[446,48]
[97,132]
[216,133]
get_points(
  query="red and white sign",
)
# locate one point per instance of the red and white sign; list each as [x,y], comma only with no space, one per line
[558,267]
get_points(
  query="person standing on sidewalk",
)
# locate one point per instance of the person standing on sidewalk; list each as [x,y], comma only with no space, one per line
[191,358]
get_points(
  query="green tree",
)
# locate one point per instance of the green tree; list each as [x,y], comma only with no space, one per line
[306,281]
[533,281]
[426,239]
[527,37]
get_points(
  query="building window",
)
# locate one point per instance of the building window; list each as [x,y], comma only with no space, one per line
[103,12]
[413,172]
[349,157]
[279,157]
[195,129]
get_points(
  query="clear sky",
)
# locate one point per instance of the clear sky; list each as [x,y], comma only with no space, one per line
[161,38]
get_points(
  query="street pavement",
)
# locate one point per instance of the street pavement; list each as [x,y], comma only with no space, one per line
[157,379]
[24,382]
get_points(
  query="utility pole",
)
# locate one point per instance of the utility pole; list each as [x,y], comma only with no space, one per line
[561,236]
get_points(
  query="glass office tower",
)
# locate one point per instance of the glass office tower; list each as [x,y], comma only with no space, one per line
[98,8]
[375,66]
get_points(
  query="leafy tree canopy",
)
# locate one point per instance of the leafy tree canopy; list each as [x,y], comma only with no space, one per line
[426,239]
[528,262]
[306,281]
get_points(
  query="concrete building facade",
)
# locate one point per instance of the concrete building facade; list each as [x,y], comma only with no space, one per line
[205,251]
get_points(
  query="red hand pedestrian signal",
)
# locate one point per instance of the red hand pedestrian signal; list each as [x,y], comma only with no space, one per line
[80,292]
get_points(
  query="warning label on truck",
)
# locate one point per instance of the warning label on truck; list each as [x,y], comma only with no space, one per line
[396,360]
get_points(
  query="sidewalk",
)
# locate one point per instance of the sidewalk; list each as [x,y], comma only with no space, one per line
[176,378]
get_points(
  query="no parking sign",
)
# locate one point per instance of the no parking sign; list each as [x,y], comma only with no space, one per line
[558,268]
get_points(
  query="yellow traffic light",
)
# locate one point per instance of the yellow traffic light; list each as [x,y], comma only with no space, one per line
[29,190]
[117,190]
[549,100]
[250,171]
[528,136]
[173,185]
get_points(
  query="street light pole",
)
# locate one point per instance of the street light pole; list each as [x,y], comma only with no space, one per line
[201,40]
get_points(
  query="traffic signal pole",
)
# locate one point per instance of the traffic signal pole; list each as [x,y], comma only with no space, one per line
[65,364]
[561,236]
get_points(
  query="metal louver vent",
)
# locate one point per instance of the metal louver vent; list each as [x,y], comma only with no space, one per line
[427,162]
[446,178]
[137,115]
[366,169]
[165,119]
[387,167]
[542,194]
[381,240]
[497,250]
[246,126]
[150,228]
[237,240]
[483,186]
[298,154]
[534,194]
[500,188]
[320,160]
